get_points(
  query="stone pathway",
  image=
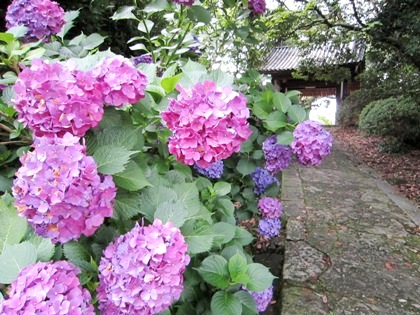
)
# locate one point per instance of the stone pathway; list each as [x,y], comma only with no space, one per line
[351,245]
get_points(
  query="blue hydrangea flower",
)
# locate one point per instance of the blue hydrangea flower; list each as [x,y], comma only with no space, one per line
[269,227]
[142,59]
[277,156]
[262,299]
[215,170]
[262,179]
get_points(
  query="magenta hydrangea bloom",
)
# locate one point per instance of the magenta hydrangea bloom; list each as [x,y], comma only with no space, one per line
[141,272]
[277,156]
[270,207]
[262,299]
[312,143]
[53,99]
[41,17]
[208,123]
[48,288]
[257,6]
[121,82]
[59,190]
[187,3]
[269,227]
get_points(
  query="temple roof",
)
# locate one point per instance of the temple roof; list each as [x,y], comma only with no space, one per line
[286,58]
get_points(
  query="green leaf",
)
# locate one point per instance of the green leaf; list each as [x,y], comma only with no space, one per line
[127,205]
[285,138]
[124,13]
[44,247]
[152,197]
[145,26]
[227,206]
[242,32]
[246,166]
[214,270]
[297,113]
[17,31]
[221,78]
[242,236]
[156,6]
[199,240]
[171,212]
[238,267]
[112,160]
[132,178]
[12,227]
[92,41]
[275,121]
[192,73]
[224,231]
[248,303]
[226,303]
[119,136]
[14,258]
[75,251]
[197,13]
[261,109]
[36,53]
[294,96]
[261,277]
[222,188]
[188,195]
[6,38]
[170,83]
[281,102]
[69,17]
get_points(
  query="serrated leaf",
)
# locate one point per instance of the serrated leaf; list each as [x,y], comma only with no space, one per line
[188,195]
[214,270]
[261,277]
[151,197]
[297,113]
[242,236]
[199,240]
[112,160]
[285,138]
[281,102]
[221,78]
[197,13]
[118,136]
[192,73]
[75,251]
[127,205]
[170,83]
[92,41]
[275,121]
[224,231]
[222,188]
[227,206]
[237,266]
[249,306]
[171,212]
[132,178]
[12,227]
[246,166]
[44,247]
[14,258]
[124,13]
[225,303]
[262,109]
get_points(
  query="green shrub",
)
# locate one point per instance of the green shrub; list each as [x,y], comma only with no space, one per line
[394,118]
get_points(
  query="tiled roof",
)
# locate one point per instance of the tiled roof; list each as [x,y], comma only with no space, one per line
[285,58]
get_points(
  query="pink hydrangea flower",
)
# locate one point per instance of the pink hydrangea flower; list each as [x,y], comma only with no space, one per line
[41,17]
[121,82]
[270,207]
[208,123]
[59,190]
[187,3]
[141,272]
[257,6]
[48,288]
[312,143]
[53,99]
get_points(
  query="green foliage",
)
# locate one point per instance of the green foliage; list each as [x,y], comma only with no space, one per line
[394,117]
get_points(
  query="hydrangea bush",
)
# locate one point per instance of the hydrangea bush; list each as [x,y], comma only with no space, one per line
[136,170]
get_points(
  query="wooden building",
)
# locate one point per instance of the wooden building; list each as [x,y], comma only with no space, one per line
[283,60]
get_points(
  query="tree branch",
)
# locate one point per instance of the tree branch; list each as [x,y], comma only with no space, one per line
[332,25]
[356,14]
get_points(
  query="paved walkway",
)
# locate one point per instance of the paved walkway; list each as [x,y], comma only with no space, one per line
[351,245]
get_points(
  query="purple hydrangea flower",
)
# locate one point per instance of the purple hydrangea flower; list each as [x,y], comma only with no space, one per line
[312,143]
[257,6]
[215,170]
[59,191]
[262,179]
[121,82]
[48,288]
[53,99]
[208,123]
[41,17]
[187,3]
[270,207]
[269,227]
[277,156]
[142,59]
[141,272]
[262,299]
